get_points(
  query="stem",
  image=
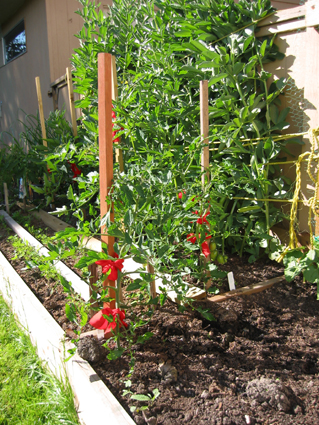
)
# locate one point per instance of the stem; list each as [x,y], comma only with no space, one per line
[117,305]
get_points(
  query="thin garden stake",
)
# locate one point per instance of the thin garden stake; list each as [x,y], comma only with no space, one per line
[43,130]
[204,129]
[150,270]
[106,151]
[6,197]
[44,134]
[71,100]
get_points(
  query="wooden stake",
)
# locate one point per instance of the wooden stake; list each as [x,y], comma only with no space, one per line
[93,280]
[55,98]
[106,150]
[44,134]
[118,152]
[6,197]
[71,100]
[150,269]
[204,129]
[246,290]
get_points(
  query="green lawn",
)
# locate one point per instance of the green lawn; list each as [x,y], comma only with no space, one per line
[29,394]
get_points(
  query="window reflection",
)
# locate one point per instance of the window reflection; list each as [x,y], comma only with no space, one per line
[15,42]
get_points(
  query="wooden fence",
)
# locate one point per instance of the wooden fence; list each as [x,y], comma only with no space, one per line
[298,38]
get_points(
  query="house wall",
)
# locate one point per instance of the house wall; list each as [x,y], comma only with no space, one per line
[286,4]
[63,24]
[17,78]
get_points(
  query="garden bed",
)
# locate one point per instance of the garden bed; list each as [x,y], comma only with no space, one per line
[257,364]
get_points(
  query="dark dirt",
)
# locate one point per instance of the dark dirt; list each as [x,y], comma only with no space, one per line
[258,364]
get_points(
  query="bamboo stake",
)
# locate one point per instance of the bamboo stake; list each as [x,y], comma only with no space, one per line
[118,152]
[204,129]
[150,270]
[44,134]
[43,130]
[246,290]
[71,100]
[6,197]
[106,151]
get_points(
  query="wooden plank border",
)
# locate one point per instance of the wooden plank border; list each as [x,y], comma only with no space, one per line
[94,400]
[77,283]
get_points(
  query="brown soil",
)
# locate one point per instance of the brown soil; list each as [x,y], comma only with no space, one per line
[258,364]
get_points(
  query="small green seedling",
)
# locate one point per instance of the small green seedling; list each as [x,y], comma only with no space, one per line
[149,399]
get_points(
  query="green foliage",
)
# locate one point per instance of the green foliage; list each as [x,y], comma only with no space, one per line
[27,158]
[161,58]
[32,259]
[300,260]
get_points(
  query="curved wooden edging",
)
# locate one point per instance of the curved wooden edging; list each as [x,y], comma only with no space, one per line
[96,404]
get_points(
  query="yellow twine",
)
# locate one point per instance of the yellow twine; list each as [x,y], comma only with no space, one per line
[293,243]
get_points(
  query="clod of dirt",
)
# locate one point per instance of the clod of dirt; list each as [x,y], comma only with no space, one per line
[273,392]
[152,420]
[168,372]
[89,349]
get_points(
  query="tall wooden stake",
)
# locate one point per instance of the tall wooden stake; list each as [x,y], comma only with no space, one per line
[43,130]
[150,269]
[41,114]
[71,100]
[106,150]
[118,152]
[6,197]
[204,129]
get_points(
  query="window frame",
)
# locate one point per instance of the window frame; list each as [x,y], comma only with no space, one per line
[5,43]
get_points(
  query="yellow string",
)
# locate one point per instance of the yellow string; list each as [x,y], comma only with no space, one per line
[312,202]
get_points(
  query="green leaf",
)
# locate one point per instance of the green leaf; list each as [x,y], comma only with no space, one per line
[143,338]
[84,318]
[128,218]
[183,33]
[216,78]
[162,250]
[66,285]
[115,354]
[70,194]
[311,274]
[263,48]
[141,397]
[139,259]
[134,285]
[114,231]
[206,314]
[70,312]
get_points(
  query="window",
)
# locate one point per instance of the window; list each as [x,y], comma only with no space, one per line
[15,42]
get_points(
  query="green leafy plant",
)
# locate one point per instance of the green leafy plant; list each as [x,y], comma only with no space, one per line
[146,398]
[302,261]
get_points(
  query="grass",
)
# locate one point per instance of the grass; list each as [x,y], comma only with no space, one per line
[29,393]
